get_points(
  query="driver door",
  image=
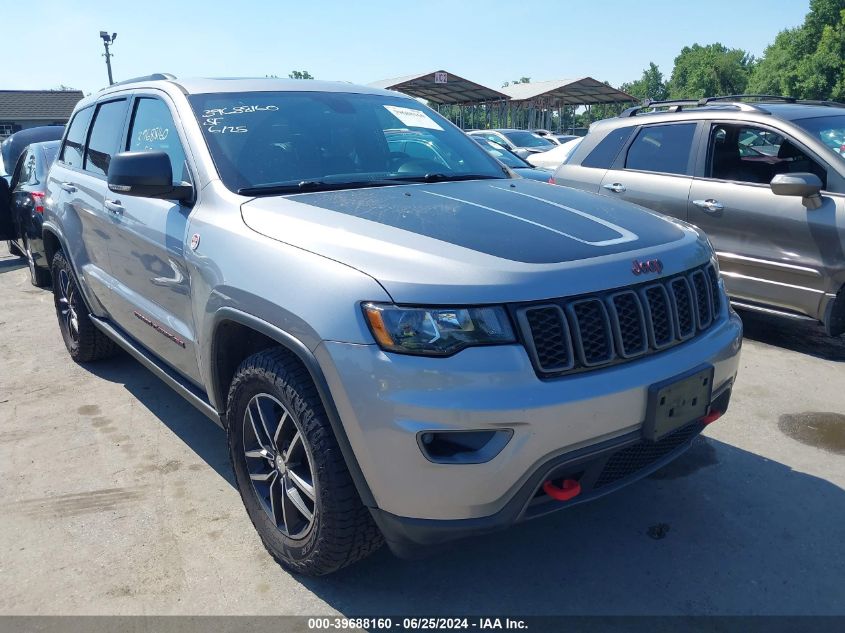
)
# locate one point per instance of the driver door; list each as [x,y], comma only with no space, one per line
[772,250]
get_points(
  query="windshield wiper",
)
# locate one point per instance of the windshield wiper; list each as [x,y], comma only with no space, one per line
[291,187]
[447,177]
[320,185]
[311,185]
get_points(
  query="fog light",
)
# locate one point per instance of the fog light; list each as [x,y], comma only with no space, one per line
[463,447]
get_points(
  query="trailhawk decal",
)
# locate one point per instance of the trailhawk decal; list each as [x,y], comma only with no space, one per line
[624,234]
[517,220]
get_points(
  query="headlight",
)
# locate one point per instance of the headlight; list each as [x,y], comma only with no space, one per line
[437,331]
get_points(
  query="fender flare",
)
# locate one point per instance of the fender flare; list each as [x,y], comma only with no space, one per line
[51,228]
[301,351]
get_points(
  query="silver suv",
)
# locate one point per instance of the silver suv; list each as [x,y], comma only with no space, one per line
[400,349]
[765,179]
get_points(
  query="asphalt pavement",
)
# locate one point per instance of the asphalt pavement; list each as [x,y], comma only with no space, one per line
[117,498]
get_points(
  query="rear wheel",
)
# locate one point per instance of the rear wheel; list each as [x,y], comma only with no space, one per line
[14,249]
[84,342]
[291,475]
[38,276]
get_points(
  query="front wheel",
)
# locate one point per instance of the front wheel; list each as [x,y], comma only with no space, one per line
[291,475]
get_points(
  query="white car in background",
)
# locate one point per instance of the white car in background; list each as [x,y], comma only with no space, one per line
[556,156]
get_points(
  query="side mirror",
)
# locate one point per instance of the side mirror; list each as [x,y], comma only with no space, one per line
[803,184]
[147,175]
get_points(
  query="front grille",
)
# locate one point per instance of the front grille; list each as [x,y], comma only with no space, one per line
[591,327]
[569,335]
[642,455]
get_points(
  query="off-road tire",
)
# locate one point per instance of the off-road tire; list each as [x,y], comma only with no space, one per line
[39,277]
[14,249]
[89,343]
[343,531]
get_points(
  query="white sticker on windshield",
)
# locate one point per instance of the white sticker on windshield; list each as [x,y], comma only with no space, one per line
[413,118]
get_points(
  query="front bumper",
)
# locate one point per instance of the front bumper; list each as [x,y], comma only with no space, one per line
[385,400]
[600,469]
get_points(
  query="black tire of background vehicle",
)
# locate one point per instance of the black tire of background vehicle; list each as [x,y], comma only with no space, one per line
[87,343]
[343,530]
[14,250]
[39,277]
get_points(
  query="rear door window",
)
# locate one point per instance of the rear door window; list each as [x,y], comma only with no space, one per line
[72,148]
[104,140]
[605,152]
[153,130]
[663,149]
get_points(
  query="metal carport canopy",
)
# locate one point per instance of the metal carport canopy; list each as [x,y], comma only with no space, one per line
[584,91]
[430,86]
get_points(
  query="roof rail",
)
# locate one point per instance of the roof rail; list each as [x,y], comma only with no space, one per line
[735,101]
[757,97]
[829,104]
[153,77]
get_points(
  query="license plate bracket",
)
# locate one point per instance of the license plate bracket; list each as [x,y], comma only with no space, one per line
[677,401]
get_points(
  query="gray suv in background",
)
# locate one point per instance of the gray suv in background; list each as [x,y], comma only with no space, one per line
[399,348]
[764,179]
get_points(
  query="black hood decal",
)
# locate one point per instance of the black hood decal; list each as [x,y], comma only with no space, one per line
[522,221]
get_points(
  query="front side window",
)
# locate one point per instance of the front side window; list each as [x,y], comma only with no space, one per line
[153,130]
[743,153]
[104,140]
[71,153]
[295,141]
[662,148]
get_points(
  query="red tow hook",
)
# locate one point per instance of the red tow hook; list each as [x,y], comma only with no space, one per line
[711,417]
[569,490]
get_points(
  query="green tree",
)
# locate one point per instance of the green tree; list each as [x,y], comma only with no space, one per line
[704,71]
[777,72]
[300,74]
[807,61]
[650,86]
[521,80]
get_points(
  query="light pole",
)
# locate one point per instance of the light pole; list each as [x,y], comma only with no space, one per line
[107,41]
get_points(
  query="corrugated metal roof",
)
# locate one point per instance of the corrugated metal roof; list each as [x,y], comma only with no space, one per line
[38,105]
[584,91]
[455,89]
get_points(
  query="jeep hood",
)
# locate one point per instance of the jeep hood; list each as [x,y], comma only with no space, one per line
[483,241]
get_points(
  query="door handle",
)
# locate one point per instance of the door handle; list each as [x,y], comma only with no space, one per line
[68,186]
[616,187]
[710,205]
[114,206]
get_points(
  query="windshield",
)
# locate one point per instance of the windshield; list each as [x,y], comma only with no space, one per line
[324,140]
[527,139]
[501,154]
[830,130]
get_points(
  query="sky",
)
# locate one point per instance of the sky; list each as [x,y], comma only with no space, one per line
[368,40]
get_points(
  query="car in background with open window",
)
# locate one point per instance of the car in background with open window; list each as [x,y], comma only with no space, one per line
[764,178]
[22,208]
